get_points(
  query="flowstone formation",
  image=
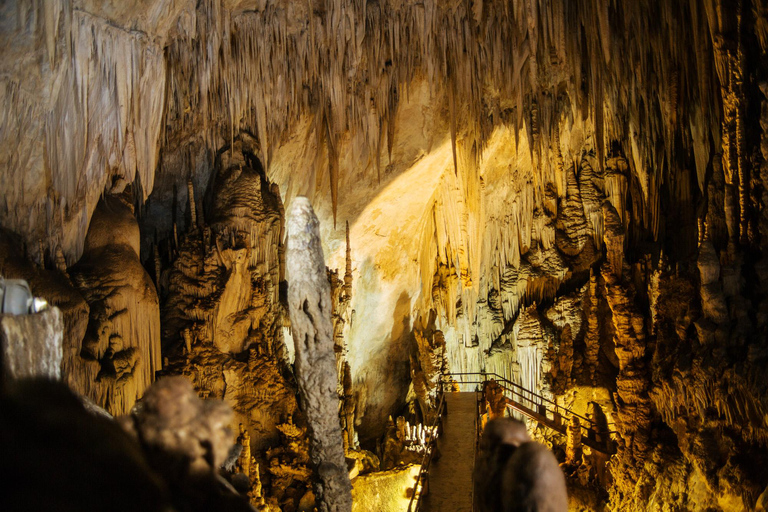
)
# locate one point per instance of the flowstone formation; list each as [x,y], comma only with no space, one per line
[289,467]
[109,306]
[121,348]
[222,315]
[427,366]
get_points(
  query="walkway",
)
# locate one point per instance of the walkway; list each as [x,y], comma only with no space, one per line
[450,476]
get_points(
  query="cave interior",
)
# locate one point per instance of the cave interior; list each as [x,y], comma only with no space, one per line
[567,197]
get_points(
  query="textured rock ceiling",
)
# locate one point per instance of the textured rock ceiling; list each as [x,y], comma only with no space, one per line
[105,93]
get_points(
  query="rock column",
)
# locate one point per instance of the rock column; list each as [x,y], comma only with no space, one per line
[309,303]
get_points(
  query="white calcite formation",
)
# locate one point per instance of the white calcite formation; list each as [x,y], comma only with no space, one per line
[309,300]
[100,89]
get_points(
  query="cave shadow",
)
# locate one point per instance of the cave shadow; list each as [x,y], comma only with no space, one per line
[395,357]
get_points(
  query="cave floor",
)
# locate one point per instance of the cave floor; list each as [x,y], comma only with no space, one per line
[450,476]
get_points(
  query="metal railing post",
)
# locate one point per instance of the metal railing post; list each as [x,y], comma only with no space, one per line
[557,417]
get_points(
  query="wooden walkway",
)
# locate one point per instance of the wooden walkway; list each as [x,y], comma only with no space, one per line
[450,476]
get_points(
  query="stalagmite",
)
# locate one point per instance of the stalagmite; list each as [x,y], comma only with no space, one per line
[120,352]
[592,337]
[573,446]
[348,268]
[348,408]
[310,310]
[192,205]
[60,262]
[244,460]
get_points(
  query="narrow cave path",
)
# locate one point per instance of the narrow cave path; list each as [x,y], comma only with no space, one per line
[450,476]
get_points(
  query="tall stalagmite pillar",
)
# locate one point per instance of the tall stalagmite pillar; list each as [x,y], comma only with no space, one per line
[309,302]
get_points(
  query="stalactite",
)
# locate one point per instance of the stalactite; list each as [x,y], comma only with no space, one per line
[530,350]
[225,68]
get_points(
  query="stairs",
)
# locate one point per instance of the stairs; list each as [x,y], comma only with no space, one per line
[589,438]
[445,480]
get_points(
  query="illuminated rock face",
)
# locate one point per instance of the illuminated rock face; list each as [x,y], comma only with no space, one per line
[120,351]
[569,194]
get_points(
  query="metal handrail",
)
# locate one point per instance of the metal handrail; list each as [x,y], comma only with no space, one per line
[426,460]
[498,378]
[525,394]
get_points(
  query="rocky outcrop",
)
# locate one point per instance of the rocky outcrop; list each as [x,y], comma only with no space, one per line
[512,472]
[55,286]
[98,464]
[172,421]
[31,345]
[222,317]
[384,490]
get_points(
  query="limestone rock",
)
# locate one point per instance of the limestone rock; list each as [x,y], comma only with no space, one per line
[57,289]
[91,462]
[31,345]
[121,348]
[514,473]
[172,420]
[310,309]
